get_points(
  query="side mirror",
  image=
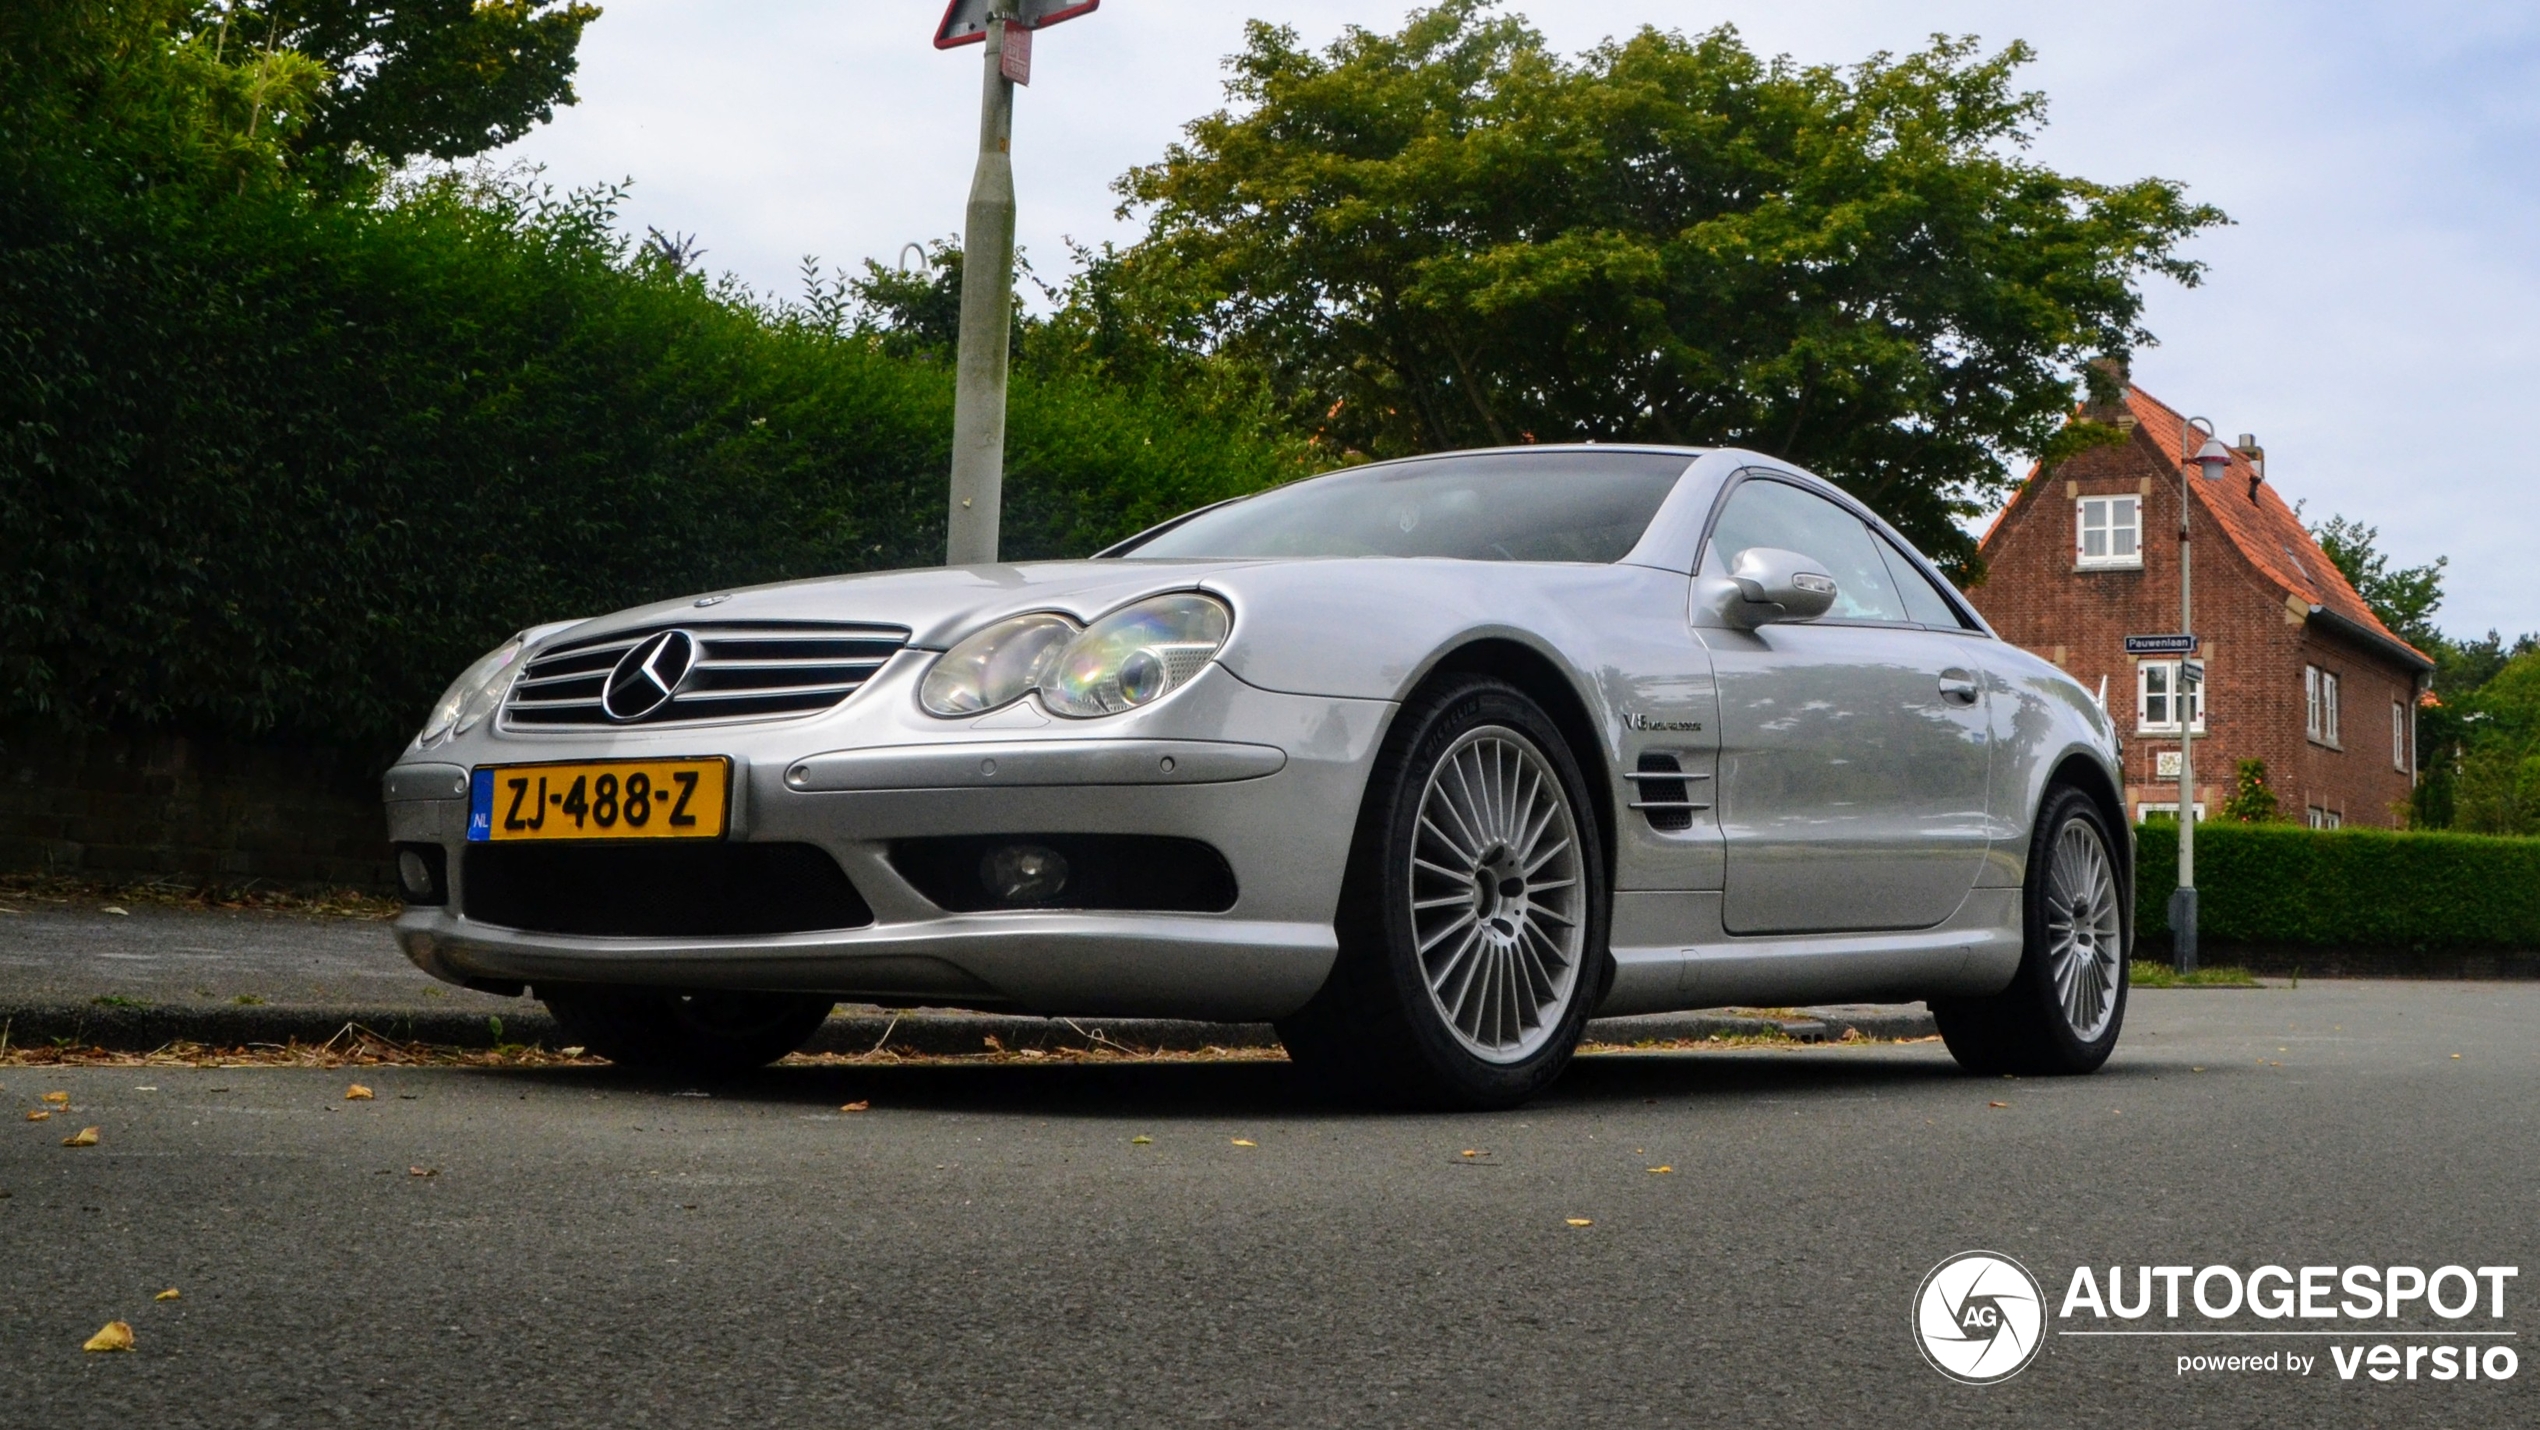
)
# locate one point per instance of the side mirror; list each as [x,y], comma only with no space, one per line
[1775,586]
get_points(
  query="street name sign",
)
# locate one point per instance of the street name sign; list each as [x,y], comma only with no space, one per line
[2161,645]
[966,21]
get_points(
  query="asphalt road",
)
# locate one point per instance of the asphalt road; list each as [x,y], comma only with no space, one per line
[991,1246]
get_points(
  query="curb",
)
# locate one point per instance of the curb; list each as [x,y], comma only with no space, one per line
[857,1029]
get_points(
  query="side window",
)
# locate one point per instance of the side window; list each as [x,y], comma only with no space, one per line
[1923,601]
[1762,512]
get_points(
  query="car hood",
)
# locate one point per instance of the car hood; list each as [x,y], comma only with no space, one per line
[938,605]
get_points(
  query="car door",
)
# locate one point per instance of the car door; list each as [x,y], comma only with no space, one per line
[1854,749]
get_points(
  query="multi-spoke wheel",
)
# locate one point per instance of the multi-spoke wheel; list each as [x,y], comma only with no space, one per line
[1493,879]
[1472,922]
[2063,1008]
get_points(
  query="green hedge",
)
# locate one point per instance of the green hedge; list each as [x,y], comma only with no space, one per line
[269,466]
[2282,885]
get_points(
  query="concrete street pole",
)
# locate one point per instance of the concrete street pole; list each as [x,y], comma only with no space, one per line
[987,304]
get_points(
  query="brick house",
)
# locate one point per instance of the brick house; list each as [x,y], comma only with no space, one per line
[2298,671]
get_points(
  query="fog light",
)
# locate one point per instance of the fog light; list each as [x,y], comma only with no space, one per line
[421,873]
[1023,873]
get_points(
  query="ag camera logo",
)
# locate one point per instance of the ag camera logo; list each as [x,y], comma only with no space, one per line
[1979,1317]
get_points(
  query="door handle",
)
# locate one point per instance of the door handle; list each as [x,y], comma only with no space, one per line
[1959,687]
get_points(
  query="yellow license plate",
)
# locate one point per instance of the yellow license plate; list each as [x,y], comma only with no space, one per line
[600,799]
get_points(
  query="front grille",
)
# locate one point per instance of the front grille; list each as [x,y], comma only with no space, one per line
[658,889]
[741,672]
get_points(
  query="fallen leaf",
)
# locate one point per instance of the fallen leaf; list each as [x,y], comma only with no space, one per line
[58,1099]
[84,1137]
[1654,1171]
[2195,1069]
[358,1093]
[1997,1104]
[121,912]
[2456,1057]
[423,1171]
[1582,1221]
[993,1045]
[575,1051]
[115,1336]
[857,1106]
[39,1115]
[1472,1152]
[1141,1141]
[1246,1142]
[169,1294]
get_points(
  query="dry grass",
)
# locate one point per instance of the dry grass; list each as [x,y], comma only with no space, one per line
[27,891]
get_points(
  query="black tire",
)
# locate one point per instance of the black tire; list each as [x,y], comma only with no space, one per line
[2026,1029]
[1376,1032]
[701,1034]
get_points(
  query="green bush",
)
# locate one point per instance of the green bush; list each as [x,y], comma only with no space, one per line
[274,466]
[2281,885]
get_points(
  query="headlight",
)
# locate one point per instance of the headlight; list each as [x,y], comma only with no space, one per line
[1136,655]
[995,666]
[471,697]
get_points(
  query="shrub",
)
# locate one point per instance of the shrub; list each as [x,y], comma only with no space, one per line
[2277,884]
[269,466]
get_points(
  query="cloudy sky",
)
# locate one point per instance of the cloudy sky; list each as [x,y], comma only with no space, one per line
[2373,315]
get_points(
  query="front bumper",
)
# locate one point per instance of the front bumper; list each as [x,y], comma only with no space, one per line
[1271,781]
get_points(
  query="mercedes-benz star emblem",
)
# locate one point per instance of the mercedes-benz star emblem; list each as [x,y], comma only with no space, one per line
[646,677]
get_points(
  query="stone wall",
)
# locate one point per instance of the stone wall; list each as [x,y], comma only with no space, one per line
[133,806]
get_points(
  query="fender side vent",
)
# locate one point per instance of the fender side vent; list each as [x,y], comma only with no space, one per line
[1663,792]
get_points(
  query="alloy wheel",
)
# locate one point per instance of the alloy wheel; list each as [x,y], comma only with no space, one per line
[1496,903]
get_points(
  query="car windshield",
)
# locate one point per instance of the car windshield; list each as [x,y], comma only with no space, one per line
[1502,506]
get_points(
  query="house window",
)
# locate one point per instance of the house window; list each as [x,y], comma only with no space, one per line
[2146,810]
[2326,818]
[2319,705]
[2159,700]
[2399,736]
[2111,531]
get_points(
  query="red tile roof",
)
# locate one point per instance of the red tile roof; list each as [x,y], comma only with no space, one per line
[2261,527]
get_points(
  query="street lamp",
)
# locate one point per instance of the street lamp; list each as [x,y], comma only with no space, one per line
[2212,457]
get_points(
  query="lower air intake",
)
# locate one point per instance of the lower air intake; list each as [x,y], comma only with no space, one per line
[659,890]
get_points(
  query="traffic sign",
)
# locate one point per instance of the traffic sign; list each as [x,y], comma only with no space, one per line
[2161,645]
[966,21]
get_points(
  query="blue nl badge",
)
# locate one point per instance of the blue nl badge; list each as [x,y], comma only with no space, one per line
[480,806]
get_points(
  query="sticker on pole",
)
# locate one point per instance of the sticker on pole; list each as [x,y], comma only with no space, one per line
[966,21]
[2161,645]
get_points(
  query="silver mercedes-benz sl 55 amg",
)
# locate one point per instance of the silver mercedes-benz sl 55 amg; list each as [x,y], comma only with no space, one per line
[1425,762]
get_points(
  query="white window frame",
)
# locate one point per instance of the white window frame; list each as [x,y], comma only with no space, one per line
[2145,809]
[2167,672]
[2319,706]
[2324,818]
[2112,532]
[2399,736]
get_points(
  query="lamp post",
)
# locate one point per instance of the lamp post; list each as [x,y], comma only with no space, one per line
[2211,458]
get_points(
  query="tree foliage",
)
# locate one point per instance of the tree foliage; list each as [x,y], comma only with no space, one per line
[2405,598]
[1450,236]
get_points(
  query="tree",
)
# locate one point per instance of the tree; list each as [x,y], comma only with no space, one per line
[1450,236]
[2405,599]
[2498,788]
[443,78]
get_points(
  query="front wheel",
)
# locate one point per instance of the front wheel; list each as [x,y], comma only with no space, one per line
[699,1034]
[2064,1007]
[1472,920]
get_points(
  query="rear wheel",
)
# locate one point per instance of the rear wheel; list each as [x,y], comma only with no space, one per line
[2064,1008]
[705,1033]
[1472,921]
